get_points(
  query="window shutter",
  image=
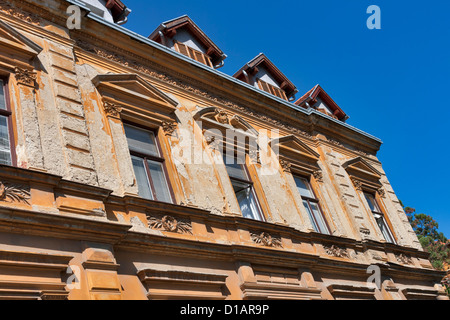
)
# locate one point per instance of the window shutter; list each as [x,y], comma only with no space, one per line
[193,54]
[181,48]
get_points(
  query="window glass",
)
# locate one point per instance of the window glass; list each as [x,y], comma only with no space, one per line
[372,202]
[141,141]
[246,200]
[159,181]
[2,96]
[303,187]
[141,177]
[234,169]
[318,217]
[5,148]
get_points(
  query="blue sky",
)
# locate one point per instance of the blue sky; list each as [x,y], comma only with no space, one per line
[391,82]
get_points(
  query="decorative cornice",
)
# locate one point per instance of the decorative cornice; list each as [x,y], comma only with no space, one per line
[25,77]
[170,224]
[14,193]
[6,7]
[266,239]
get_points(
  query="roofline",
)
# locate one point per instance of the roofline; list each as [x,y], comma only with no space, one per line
[205,68]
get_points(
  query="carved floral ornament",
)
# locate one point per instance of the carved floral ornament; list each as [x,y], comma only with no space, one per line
[170,224]
[169,127]
[285,165]
[266,240]
[112,109]
[336,251]
[25,77]
[14,193]
[402,258]
[318,175]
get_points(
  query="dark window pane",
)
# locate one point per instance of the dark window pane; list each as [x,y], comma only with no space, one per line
[159,181]
[141,141]
[2,96]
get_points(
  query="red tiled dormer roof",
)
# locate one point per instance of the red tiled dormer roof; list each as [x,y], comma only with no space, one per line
[117,9]
[311,96]
[261,59]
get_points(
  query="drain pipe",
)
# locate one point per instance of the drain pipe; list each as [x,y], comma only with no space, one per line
[222,62]
[124,17]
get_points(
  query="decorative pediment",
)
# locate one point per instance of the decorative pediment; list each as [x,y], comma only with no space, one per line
[15,46]
[297,153]
[223,119]
[132,95]
[363,173]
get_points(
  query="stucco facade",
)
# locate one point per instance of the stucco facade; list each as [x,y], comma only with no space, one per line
[70,204]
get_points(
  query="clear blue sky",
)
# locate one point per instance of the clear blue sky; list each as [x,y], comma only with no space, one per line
[393,82]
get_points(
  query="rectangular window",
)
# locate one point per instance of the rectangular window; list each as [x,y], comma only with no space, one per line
[5,127]
[148,164]
[272,89]
[243,189]
[193,54]
[379,217]
[311,204]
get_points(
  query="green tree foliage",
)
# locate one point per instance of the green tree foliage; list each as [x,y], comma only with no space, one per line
[432,241]
[430,238]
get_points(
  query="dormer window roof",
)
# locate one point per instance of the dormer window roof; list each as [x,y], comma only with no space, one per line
[183,35]
[111,10]
[263,74]
[318,99]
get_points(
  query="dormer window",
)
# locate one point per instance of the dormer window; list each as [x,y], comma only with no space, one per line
[261,73]
[185,37]
[318,99]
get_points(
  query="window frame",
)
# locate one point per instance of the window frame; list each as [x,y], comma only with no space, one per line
[382,214]
[149,157]
[259,213]
[7,112]
[315,200]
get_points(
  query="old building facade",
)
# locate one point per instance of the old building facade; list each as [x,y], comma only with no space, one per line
[114,183]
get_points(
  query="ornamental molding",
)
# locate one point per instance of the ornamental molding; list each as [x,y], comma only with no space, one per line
[266,239]
[285,165]
[336,251]
[19,13]
[14,193]
[170,224]
[358,184]
[382,193]
[180,81]
[318,175]
[402,258]
[112,109]
[169,127]
[25,77]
